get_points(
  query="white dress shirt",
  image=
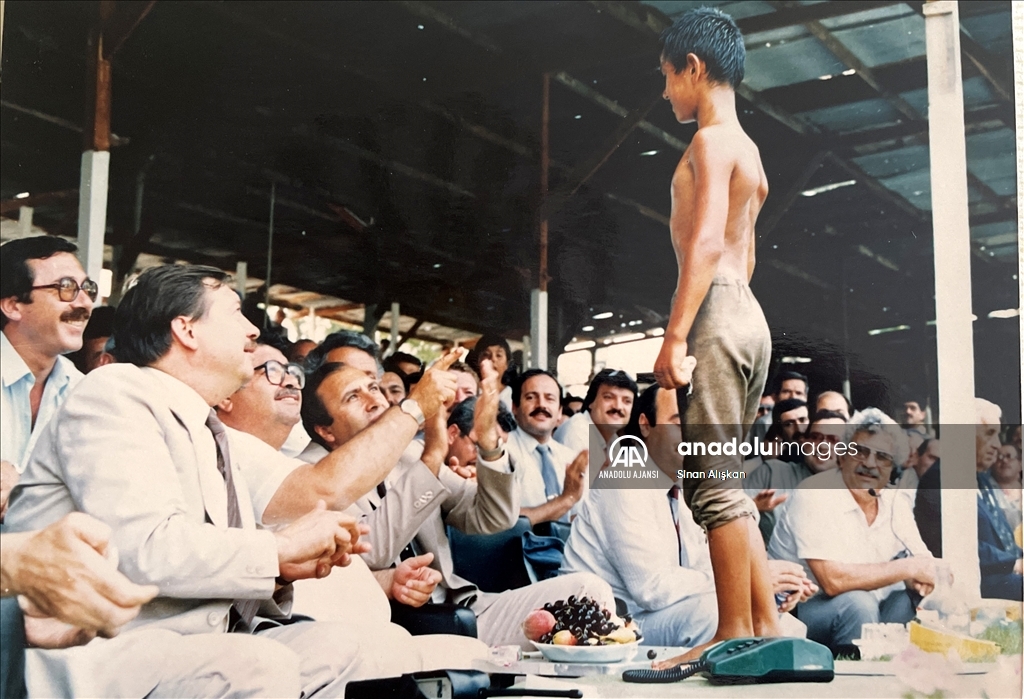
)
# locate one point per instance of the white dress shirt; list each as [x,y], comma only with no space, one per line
[824,522]
[628,538]
[522,449]
[17,433]
[575,432]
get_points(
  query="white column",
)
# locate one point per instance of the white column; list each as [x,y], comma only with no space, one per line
[538,329]
[92,210]
[955,335]
[241,277]
[25,220]
[1018,79]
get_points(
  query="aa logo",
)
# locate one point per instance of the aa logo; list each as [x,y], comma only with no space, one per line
[624,452]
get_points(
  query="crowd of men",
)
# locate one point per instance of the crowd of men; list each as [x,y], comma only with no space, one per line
[193,507]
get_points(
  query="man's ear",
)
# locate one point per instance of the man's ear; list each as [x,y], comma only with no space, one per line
[10,307]
[326,435]
[182,331]
[225,406]
[453,434]
[645,426]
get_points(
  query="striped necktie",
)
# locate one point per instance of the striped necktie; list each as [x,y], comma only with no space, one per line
[245,608]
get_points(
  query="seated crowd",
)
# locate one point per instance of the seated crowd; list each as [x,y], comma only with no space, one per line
[215,511]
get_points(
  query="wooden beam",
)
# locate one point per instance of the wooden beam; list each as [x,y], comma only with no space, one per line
[764,229]
[615,108]
[119,26]
[589,166]
[115,140]
[64,196]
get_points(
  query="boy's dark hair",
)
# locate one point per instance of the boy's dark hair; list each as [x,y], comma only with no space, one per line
[314,412]
[341,338]
[713,37]
[609,377]
[142,322]
[784,376]
[517,387]
[16,278]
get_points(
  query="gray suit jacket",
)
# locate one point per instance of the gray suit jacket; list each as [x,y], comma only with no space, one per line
[131,448]
[419,506]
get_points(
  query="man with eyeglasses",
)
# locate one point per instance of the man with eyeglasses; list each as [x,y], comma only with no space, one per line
[856,539]
[46,300]
[771,484]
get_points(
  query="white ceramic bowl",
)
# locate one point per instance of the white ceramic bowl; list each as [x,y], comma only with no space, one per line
[614,653]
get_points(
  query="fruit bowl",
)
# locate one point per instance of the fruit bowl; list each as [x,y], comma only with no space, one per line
[611,653]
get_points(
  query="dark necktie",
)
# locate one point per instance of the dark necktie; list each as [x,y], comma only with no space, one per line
[673,502]
[552,488]
[245,608]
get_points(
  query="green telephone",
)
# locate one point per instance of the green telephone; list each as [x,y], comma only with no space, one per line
[751,661]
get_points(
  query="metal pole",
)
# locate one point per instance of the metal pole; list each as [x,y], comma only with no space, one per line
[846,329]
[395,317]
[270,254]
[241,277]
[954,331]
[539,297]
[1018,76]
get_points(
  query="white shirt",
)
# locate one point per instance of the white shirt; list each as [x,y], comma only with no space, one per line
[17,433]
[522,449]
[627,537]
[575,432]
[297,441]
[824,522]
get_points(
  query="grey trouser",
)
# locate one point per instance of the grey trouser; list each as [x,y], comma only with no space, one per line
[733,346]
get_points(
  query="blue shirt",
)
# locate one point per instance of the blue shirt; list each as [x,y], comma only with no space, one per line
[17,434]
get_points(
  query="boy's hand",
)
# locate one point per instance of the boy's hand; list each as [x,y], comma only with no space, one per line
[673,368]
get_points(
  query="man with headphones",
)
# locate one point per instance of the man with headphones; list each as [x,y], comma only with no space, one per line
[856,540]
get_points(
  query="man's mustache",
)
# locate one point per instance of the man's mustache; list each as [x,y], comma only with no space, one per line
[287,392]
[75,314]
[615,411]
[540,411]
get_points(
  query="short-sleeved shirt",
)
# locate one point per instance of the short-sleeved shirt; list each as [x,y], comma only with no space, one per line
[824,522]
[17,433]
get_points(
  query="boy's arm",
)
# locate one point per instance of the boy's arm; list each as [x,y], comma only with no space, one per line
[698,237]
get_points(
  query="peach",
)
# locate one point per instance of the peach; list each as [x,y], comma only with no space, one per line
[538,623]
[564,638]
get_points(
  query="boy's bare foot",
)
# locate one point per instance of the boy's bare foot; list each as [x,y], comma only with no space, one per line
[692,654]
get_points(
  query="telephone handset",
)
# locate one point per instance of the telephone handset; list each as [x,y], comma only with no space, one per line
[751,661]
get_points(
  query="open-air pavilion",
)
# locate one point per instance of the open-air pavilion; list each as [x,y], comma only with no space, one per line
[473,161]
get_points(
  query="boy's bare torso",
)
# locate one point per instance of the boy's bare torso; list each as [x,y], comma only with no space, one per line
[735,153]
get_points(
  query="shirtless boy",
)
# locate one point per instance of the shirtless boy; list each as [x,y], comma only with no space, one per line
[717,192]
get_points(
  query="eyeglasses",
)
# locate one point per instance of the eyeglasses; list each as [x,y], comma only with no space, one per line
[818,437]
[762,409]
[864,453]
[67,288]
[277,372]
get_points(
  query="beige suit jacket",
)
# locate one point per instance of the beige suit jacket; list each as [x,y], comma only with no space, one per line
[130,447]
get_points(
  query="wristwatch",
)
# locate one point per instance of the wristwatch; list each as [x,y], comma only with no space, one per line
[412,408]
[491,454]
